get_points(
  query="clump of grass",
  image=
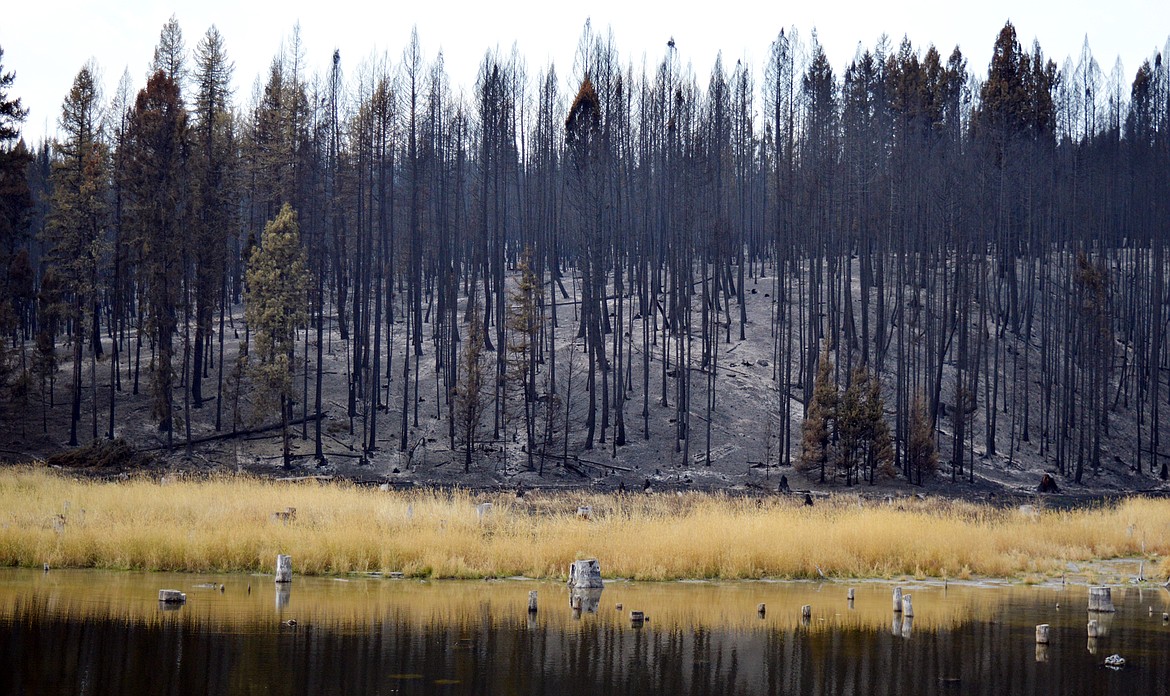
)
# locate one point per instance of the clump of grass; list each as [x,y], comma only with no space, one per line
[226,525]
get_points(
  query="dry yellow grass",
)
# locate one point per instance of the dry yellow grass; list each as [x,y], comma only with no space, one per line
[225,525]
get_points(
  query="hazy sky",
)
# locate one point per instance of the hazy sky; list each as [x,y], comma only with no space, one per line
[47,41]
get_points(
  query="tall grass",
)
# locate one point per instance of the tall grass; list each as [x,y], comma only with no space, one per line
[226,525]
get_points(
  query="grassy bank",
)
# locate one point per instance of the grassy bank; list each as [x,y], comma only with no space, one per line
[226,525]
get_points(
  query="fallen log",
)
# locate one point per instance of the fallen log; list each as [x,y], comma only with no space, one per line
[237,434]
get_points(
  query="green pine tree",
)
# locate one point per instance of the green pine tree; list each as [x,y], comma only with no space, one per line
[852,426]
[278,281]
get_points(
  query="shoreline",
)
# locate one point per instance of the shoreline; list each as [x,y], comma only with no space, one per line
[239,524]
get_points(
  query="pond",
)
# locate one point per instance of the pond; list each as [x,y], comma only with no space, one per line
[95,632]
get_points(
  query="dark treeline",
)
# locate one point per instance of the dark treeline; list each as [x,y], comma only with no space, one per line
[956,264]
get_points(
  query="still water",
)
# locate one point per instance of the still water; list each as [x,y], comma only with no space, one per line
[92,632]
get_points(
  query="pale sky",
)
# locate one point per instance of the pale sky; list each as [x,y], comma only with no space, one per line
[46,42]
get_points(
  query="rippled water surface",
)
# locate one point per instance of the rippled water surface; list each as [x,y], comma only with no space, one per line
[92,632]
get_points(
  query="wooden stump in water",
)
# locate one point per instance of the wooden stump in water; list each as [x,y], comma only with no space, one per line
[897,600]
[585,573]
[761,609]
[806,611]
[532,602]
[1042,634]
[907,607]
[171,597]
[637,618]
[1101,599]
[283,568]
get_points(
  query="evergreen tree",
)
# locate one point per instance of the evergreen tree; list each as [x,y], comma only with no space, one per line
[15,204]
[156,188]
[922,454]
[821,420]
[863,437]
[879,450]
[213,178]
[277,292]
[76,232]
[524,326]
[469,399]
[170,55]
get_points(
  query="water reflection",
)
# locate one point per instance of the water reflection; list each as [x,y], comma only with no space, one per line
[92,632]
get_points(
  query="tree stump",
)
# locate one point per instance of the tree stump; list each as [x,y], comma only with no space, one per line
[171,597]
[1042,634]
[585,574]
[532,602]
[806,612]
[907,607]
[849,595]
[761,609]
[1101,599]
[897,600]
[283,568]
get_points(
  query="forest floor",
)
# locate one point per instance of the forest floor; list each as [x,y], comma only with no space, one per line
[744,427]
